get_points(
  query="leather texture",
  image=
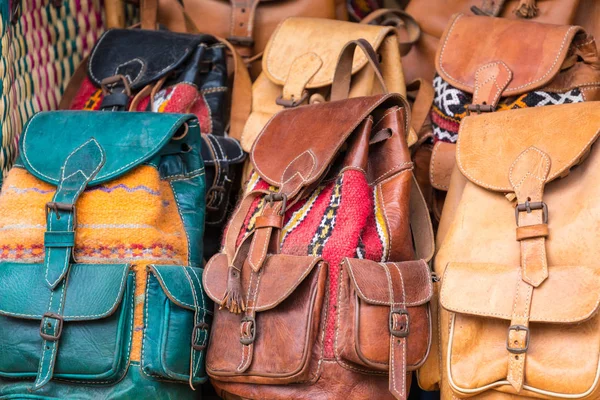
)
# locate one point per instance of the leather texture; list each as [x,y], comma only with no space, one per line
[510,302]
[285,335]
[85,318]
[291,52]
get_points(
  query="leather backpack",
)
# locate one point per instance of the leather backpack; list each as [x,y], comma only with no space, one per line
[321,291]
[554,64]
[176,73]
[519,304]
[298,68]
[101,258]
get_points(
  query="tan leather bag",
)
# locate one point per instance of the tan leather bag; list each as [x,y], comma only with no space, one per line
[483,73]
[434,15]
[298,67]
[247,24]
[518,257]
[309,303]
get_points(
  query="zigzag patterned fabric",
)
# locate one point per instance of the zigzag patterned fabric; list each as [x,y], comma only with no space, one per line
[39,53]
[450,106]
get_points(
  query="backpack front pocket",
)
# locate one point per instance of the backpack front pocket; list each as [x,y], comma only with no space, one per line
[94,331]
[175,324]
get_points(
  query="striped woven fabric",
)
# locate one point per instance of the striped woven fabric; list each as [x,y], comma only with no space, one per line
[39,52]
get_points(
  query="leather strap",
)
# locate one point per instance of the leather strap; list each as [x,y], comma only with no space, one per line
[301,72]
[422,104]
[149,14]
[248,322]
[528,175]
[340,88]
[115,13]
[420,223]
[199,342]
[399,19]
[399,325]
[490,81]
[79,169]
[241,25]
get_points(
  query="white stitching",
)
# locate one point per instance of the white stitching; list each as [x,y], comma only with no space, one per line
[131,81]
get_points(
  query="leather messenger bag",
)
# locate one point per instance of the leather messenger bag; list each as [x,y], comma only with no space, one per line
[319,291]
[519,304]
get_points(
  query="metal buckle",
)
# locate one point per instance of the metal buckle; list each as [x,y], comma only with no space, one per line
[517,328]
[57,206]
[291,103]
[528,206]
[245,340]
[56,336]
[241,41]
[479,108]
[273,197]
[112,81]
[201,326]
[404,328]
[212,201]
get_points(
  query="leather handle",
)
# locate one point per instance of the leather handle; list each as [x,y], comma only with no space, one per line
[399,19]
[148,14]
[340,88]
[115,13]
[422,103]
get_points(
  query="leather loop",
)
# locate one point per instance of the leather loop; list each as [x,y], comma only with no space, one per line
[399,19]
[269,221]
[149,14]
[532,231]
[340,88]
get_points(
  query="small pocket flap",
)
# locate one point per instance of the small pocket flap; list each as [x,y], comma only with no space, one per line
[324,38]
[488,290]
[182,285]
[127,139]
[142,56]
[489,144]
[534,62]
[94,291]
[370,280]
[279,277]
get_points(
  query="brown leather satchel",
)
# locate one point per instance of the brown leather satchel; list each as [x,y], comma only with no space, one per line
[518,258]
[320,292]
[484,73]
[298,67]
[248,24]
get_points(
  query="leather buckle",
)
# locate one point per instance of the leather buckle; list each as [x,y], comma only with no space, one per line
[213,202]
[528,206]
[517,350]
[273,197]
[57,206]
[200,326]
[241,41]
[293,102]
[56,336]
[248,333]
[402,329]
[479,108]
[112,81]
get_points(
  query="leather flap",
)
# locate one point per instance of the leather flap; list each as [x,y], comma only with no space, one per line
[280,275]
[324,38]
[469,42]
[142,56]
[441,165]
[317,133]
[488,290]
[221,149]
[370,279]
[176,282]
[94,291]
[128,139]
[489,144]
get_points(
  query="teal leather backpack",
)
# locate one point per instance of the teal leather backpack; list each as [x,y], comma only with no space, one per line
[101,224]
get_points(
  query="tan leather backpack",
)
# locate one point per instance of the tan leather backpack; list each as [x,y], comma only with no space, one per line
[319,291]
[299,63]
[552,64]
[518,257]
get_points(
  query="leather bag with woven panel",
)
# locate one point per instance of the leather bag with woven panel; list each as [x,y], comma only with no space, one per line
[101,223]
[321,291]
[175,73]
[519,305]
[248,24]
[554,64]
[298,67]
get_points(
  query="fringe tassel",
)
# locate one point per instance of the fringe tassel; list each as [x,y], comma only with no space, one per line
[526,9]
[234,299]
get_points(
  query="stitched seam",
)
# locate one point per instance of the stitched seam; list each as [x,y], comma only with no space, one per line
[431,177]
[292,288]
[168,291]
[194,365]
[148,275]
[314,158]
[187,238]
[393,110]
[131,62]
[531,83]
[387,222]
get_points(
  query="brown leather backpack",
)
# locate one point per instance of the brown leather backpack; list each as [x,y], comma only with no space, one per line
[319,291]
[553,64]
[519,303]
